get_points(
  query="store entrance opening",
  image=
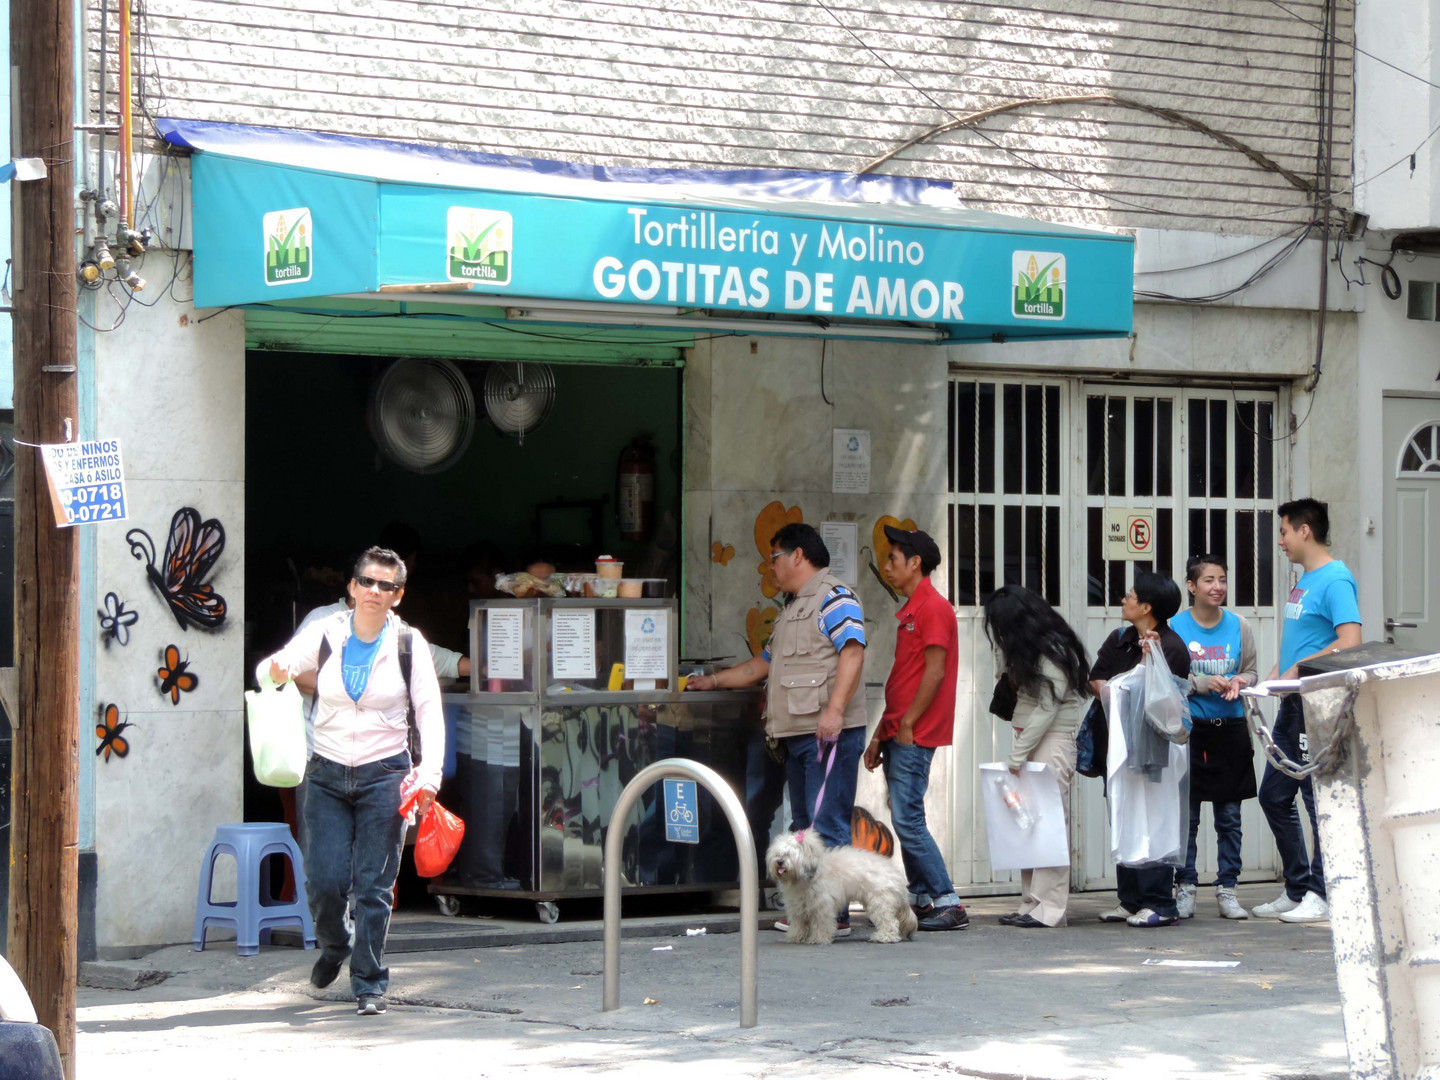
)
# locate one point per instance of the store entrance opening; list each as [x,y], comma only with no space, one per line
[321,487]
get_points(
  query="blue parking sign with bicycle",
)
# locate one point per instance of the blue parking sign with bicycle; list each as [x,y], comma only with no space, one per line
[682,814]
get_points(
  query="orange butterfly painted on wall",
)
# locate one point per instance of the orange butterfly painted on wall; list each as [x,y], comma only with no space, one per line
[108,731]
[871,834]
[175,676]
[722,553]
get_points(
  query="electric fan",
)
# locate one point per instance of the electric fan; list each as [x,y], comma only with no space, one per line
[423,414]
[518,396]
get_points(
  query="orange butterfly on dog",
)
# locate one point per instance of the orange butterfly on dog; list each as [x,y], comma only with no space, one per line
[108,732]
[175,676]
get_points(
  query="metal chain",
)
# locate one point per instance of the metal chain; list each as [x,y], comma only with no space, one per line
[1326,760]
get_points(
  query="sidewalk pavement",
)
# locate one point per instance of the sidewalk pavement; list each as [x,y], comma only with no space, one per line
[1087,1001]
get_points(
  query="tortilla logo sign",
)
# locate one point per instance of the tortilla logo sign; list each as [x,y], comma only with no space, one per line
[1039,280]
[479,245]
[289,238]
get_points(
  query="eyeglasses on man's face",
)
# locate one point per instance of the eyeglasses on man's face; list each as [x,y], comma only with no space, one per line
[780,554]
[377,583]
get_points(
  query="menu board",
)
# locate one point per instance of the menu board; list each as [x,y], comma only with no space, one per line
[572,644]
[647,640]
[505,643]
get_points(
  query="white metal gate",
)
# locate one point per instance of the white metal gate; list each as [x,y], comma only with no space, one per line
[1033,465]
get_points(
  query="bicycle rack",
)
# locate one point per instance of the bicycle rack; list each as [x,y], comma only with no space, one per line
[711,781]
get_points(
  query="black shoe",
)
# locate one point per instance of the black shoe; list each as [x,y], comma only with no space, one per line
[370,1005]
[324,972]
[1029,922]
[1009,920]
[954,917]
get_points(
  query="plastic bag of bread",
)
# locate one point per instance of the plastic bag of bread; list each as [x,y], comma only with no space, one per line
[523,585]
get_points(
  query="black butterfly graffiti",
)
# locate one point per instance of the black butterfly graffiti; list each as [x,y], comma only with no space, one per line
[116,620]
[190,554]
[175,676]
[108,732]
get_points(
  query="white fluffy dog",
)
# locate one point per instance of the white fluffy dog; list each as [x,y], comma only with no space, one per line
[816,882]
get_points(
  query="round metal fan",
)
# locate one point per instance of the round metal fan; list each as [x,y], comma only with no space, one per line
[518,396]
[423,414]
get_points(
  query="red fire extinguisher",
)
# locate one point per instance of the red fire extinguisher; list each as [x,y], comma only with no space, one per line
[636,480]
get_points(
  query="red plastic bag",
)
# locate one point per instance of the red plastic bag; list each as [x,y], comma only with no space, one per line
[437,840]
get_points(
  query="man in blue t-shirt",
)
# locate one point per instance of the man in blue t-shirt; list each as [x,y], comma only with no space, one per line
[1322,615]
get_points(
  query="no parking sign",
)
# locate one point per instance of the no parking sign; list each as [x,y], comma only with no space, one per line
[1129,533]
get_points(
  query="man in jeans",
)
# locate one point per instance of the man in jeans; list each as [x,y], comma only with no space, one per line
[1322,615]
[919,716]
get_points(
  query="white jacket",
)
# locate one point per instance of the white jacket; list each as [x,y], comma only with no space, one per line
[373,728]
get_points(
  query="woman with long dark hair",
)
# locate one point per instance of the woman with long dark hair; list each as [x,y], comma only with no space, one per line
[1046,665]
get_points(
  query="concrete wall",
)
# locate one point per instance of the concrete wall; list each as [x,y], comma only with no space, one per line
[172,389]
[767,83]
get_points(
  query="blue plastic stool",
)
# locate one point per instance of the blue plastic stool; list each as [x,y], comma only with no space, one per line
[252,914]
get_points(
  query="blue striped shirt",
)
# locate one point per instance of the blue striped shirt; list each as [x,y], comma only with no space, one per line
[841,619]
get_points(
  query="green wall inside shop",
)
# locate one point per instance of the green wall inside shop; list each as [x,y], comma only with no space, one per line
[318,489]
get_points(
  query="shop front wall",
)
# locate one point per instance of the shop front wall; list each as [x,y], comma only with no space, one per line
[172,390]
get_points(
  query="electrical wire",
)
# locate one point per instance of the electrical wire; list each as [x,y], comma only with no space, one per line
[1264,269]
[1354,47]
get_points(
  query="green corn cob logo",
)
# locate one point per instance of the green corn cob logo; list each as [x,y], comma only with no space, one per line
[479,245]
[1039,280]
[289,238]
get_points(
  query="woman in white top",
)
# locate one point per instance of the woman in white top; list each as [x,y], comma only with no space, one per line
[352,809]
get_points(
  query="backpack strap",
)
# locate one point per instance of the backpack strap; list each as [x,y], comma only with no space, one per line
[404,642]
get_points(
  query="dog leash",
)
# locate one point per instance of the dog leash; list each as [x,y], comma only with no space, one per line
[834,742]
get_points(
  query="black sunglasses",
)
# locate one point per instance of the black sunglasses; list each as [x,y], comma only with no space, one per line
[376,583]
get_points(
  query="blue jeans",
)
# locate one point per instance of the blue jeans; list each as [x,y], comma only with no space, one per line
[1277,799]
[907,772]
[1227,845]
[805,772]
[356,835]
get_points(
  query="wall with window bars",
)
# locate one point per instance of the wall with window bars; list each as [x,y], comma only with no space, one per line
[794,84]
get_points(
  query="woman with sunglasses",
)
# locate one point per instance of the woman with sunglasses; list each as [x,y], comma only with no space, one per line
[361,756]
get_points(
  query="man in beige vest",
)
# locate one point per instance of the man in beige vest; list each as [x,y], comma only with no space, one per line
[814,664]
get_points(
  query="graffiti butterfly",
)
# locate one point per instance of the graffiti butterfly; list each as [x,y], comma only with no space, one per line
[868,833]
[175,676]
[722,553]
[190,554]
[108,732]
[116,620]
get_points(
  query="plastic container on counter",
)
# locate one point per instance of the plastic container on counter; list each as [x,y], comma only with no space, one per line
[608,567]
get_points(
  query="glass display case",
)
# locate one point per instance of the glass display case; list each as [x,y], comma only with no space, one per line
[569,699]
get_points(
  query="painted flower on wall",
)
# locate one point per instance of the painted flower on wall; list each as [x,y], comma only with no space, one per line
[759,625]
[880,548]
[768,522]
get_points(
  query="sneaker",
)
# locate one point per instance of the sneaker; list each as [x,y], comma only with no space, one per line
[1229,906]
[954,917]
[1312,909]
[370,1005]
[1116,914]
[923,911]
[1275,908]
[781,925]
[842,927]
[1149,917]
[1185,901]
[324,972]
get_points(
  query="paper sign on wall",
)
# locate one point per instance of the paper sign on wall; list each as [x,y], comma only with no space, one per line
[842,540]
[572,644]
[1129,533]
[505,643]
[87,481]
[647,640]
[850,463]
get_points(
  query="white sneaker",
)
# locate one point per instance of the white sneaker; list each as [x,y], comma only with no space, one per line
[1275,908]
[1312,909]
[1185,901]
[1118,914]
[1229,906]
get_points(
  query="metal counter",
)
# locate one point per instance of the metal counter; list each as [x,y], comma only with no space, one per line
[535,774]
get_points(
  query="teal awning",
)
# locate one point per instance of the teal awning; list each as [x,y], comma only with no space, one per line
[290,216]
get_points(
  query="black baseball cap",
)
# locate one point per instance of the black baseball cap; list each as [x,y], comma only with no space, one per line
[918,542]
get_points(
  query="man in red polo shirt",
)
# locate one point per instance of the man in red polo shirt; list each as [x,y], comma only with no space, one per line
[919,716]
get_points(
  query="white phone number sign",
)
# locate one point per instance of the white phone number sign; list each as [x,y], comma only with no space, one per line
[87,481]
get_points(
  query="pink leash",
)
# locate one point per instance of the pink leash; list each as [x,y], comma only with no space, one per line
[834,742]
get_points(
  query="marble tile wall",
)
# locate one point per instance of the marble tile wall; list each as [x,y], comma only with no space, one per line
[173,390]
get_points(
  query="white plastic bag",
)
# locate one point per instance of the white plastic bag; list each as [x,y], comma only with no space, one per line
[1149,814]
[1166,707]
[277,733]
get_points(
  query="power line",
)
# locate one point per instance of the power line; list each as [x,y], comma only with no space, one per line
[1353,46]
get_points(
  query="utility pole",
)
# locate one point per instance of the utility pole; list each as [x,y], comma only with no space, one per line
[45,820]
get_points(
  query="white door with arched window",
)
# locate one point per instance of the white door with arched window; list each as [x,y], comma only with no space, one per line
[1412,521]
